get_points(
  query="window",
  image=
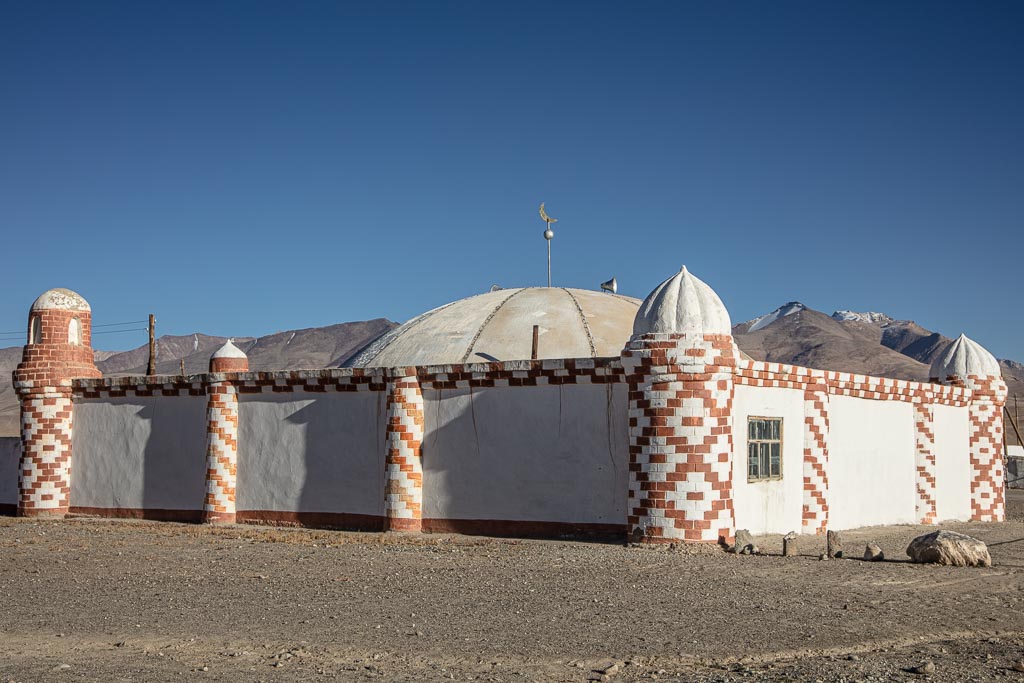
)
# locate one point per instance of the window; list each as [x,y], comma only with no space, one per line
[35,331]
[74,332]
[764,448]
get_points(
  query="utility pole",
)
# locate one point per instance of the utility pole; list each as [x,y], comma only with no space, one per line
[151,367]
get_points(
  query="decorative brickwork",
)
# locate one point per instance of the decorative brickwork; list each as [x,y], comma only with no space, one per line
[44,478]
[986,439]
[680,437]
[815,470]
[924,460]
[403,481]
[221,453]
[59,336]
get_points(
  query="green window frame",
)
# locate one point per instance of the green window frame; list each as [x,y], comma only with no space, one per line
[764,448]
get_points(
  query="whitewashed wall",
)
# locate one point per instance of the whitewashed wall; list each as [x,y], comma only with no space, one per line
[10,455]
[952,464]
[769,506]
[871,470]
[139,453]
[553,454]
[312,452]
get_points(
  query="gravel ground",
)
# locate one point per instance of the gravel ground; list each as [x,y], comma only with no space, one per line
[137,601]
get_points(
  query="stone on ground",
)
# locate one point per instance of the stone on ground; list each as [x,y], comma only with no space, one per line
[744,543]
[873,553]
[833,544]
[949,548]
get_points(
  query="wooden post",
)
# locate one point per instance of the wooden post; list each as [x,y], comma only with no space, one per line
[151,367]
[1013,423]
[182,367]
[536,342]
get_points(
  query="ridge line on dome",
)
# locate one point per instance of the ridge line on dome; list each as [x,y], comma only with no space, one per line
[376,346]
[583,319]
[476,337]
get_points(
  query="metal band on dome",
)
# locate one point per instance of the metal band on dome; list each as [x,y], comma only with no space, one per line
[476,337]
[583,319]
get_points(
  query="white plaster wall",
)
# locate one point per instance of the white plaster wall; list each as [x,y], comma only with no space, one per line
[139,453]
[555,454]
[774,506]
[10,456]
[311,452]
[871,469]
[952,464]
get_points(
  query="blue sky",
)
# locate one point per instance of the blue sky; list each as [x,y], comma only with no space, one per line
[239,168]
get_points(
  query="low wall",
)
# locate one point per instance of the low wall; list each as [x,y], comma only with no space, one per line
[952,463]
[312,458]
[527,448]
[537,460]
[871,469]
[10,455]
[774,506]
[140,456]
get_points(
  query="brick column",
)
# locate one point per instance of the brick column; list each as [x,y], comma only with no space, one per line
[988,396]
[222,435]
[924,460]
[680,437]
[815,470]
[59,349]
[221,453]
[44,477]
[403,479]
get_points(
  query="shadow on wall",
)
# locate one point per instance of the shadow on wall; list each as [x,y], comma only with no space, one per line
[10,457]
[535,461]
[174,460]
[140,458]
[312,459]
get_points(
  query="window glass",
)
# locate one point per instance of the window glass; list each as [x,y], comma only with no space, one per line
[764,448]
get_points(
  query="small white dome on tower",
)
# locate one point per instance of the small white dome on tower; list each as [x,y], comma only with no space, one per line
[682,304]
[229,350]
[60,299]
[964,358]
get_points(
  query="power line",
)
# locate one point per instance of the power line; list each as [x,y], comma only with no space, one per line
[21,333]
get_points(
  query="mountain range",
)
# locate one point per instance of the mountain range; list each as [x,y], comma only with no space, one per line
[867,343]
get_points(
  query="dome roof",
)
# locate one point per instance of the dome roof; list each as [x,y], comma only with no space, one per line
[229,350]
[963,358]
[60,299]
[498,326]
[682,304]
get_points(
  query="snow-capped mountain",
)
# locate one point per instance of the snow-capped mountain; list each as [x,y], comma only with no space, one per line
[866,317]
[780,312]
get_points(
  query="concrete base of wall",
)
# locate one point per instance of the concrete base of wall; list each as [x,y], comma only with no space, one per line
[525,529]
[154,515]
[314,520]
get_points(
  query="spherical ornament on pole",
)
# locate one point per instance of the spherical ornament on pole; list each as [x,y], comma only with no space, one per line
[549,233]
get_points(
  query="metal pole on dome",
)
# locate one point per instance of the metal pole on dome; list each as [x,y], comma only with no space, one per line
[548,234]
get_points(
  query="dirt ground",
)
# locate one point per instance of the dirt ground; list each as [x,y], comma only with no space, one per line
[138,601]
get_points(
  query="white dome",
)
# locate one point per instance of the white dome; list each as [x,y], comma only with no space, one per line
[682,304]
[229,350]
[60,299]
[963,358]
[498,326]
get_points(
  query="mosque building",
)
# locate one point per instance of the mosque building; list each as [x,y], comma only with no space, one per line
[541,411]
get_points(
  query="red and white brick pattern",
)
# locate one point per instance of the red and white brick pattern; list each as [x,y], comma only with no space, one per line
[44,478]
[986,438]
[924,461]
[815,466]
[680,437]
[221,453]
[403,493]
